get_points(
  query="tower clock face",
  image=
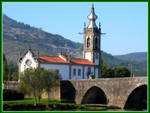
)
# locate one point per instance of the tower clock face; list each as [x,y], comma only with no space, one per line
[28,62]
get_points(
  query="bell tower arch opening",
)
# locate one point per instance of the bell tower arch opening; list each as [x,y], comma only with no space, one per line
[137,100]
[88,42]
[94,95]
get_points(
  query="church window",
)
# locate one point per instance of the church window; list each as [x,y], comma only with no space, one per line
[28,62]
[79,72]
[88,42]
[74,71]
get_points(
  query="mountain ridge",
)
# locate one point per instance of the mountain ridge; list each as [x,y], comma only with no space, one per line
[136,56]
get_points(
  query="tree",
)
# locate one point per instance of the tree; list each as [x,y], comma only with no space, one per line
[51,79]
[36,81]
[5,69]
[29,83]
[121,71]
[106,71]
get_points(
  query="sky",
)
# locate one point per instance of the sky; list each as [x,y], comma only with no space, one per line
[125,23]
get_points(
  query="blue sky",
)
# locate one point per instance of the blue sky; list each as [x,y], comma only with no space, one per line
[126,23]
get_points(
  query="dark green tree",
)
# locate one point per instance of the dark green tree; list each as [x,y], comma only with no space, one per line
[51,79]
[30,82]
[36,81]
[12,72]
[106,71]
[5,68]
[121,71]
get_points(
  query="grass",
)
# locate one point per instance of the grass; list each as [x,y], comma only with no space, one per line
[43,105]
[29,101]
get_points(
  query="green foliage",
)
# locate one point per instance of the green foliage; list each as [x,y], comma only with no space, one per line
[106,71]
[27,104]
[5,69]
[121,71]
[9,94]
[139,67]
[35,81]
[10,72]
[51,79]
[118,71]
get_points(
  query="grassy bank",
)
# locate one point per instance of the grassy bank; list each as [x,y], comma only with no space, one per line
[52,105]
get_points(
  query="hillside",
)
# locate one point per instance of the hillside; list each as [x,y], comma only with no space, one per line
[17,37]
[137,56]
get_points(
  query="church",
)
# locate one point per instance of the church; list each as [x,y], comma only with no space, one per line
[87,67]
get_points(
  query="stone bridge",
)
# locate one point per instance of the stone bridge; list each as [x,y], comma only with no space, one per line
[129,92]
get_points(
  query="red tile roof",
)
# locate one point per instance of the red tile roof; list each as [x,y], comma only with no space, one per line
[81,61]
[44,59]
[63,59]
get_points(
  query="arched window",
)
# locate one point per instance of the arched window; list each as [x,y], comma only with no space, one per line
[88,42]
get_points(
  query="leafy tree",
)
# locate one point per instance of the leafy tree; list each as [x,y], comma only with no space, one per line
[121,71]
[29,83]
[35,81]
[5,69]
[15,76]
[51,79]
[12,72]
[106,71]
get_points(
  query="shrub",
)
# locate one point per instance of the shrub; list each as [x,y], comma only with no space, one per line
[9,94]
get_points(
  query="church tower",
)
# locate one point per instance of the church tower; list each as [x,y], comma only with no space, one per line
[92,36]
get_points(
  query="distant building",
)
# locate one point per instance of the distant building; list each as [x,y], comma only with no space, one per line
[72,68]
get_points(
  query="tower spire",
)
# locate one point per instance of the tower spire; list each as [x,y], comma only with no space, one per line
[92,17]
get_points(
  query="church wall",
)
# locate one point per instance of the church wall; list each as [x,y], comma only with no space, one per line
[86,71]
[62,68]
[76,67]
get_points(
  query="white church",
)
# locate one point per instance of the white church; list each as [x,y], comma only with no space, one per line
[72,68]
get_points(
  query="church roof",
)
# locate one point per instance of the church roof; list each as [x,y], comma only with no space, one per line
[44,59]
[64,60]
[81,61]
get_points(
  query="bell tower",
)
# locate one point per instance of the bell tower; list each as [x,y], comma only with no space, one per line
[92,36]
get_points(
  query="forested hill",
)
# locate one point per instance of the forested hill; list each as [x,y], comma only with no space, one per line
[137,56]
[17,37]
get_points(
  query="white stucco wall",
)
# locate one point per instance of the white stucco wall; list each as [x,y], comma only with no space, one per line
[76,67]
[62,68]
[23,64]
[86,71]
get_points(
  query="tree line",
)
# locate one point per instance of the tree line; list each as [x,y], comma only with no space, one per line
[118,71]
[10,71]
